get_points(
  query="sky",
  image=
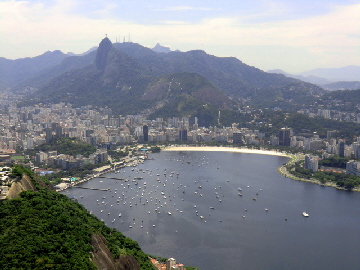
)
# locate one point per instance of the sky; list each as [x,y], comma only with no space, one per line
[292,35]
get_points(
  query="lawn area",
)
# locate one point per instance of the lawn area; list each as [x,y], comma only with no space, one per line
[17,158]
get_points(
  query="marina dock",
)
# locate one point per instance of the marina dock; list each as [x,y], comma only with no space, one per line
[102,189]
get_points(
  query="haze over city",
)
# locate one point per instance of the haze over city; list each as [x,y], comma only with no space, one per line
[294,36]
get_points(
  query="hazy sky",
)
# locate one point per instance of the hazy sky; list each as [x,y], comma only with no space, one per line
[293,35]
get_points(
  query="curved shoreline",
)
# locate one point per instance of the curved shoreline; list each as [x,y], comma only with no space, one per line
[281,170]
[224,149]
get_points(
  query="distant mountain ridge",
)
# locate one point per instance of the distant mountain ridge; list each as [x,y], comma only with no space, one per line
[348,73]
[119,81]
[125,75]
[308,78]
[344,78]
[68,64]
[227,73]
[342,86]
[161,49]
[16,71]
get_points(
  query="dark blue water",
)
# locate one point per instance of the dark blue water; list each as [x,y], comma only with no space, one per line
[238,233]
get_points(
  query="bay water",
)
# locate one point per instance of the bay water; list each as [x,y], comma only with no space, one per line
[224,210]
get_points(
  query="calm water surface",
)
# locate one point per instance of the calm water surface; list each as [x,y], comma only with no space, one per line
[188,206]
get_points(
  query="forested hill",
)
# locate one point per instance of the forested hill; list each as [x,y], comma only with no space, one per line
[117,75]
[43,229]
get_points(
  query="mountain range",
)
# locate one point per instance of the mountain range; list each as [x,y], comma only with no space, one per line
[14,71]
[130,78]
[348,73]
[344,78]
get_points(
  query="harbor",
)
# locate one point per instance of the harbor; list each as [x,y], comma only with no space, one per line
[102,171]
[187,204]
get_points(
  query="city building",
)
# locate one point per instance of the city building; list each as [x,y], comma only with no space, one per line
[237,138]
[311,163]
[172,265]
[341,146]
[324,113]
[284,136]
[183,135]
[331,134]
[353,167]
[356,148]
[146,133]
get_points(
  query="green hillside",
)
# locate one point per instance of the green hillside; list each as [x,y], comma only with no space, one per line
[43,229]
[123,76]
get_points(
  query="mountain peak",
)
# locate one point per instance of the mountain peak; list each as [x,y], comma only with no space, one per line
[161,49]
[278,71]
[102,52]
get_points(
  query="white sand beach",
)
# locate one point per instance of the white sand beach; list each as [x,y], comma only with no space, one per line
[223,149]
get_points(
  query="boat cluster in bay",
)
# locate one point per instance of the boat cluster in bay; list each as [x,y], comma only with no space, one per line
[159,193]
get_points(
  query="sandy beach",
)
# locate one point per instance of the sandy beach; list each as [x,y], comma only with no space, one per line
[224,149]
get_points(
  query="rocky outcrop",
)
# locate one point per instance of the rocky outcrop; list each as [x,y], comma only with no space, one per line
[103,258]
[23,184]
[102,52]
[161,49]
[26,183]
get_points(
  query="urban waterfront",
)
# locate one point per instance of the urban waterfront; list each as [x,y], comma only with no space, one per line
[221,210]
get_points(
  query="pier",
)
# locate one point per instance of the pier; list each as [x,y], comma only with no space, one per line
[115,178]
[102,189]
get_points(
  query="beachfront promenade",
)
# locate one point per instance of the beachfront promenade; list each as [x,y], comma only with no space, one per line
[225,149]
[293,158]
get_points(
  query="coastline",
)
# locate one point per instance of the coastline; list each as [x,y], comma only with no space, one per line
[281,170]
[103,170]
[224,149]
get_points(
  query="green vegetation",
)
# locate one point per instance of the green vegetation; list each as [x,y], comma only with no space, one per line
[17,171]
[321,125]
[67,146]
[186,106]
[341,180]
[335,161]
[298,122]
[55,178]
[227,118]
[17,158]
[133,69]
[290,96]
[46,230]
[116,155]
[348,99]
[155,149]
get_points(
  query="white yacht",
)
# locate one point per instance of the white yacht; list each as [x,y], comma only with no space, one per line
[305,214]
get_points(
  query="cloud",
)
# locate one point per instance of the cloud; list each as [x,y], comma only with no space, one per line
[340,28]
[268,9]
[30,28]
[38,27]
[184,8]
[175,22]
